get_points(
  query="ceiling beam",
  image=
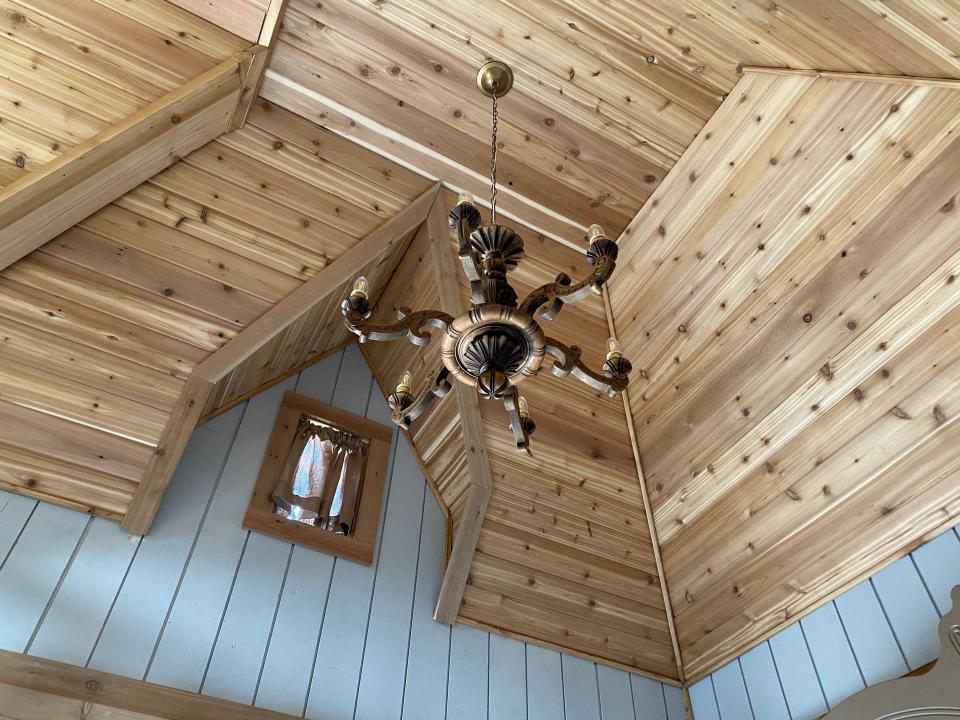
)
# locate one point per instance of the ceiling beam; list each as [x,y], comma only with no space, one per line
[104,695]
[51,199]
[467,532]
[317,289]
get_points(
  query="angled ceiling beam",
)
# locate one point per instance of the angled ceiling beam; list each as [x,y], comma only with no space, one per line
[51,199]
[153,485]
[467,533]
[317,289]
[266,40]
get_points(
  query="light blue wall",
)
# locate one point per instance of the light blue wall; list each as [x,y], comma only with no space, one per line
[876,631]
[203,605]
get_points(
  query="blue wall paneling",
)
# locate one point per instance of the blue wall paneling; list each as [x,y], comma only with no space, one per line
[203,605]
[877,630]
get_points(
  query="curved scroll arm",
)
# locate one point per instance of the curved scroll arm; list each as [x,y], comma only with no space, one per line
[466,218]
[568,361]
[411,325]
[563,289]
[403,413]
[522,427]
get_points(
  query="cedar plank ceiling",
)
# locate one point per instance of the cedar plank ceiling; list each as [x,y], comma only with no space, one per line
[103,325]
[805,445]
[796,410]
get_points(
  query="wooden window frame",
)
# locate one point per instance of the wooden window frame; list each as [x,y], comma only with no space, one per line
[261,515]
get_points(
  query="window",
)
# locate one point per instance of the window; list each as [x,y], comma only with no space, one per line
[321,482]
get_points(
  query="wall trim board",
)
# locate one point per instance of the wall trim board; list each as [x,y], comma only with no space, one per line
[114,691]
[647,508]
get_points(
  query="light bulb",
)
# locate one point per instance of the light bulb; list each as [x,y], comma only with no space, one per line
[359,287]
[406,379]
[522,407]
[613,349]
[464,198]
[595,232]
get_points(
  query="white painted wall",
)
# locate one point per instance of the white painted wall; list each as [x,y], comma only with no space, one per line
[203,605]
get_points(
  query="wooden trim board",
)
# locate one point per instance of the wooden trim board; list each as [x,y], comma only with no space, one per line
[861,77]
[99,694]
[647,508]
[316,290]
[475,447]
[51,199]
[159,471]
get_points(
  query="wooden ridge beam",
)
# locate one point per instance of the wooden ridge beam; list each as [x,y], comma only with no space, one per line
[29,681]
[258,66]
[467,532]
[53,198]
[317,289]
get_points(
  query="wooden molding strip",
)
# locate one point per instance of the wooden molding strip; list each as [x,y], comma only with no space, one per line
[159,471]
[475,446]
[61,193]
[316,289]
[864,77]
[99,692]
[647,509]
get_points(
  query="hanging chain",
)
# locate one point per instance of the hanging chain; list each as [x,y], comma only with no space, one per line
[493,164]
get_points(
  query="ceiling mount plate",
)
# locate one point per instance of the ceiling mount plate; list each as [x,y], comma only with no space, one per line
[495,78]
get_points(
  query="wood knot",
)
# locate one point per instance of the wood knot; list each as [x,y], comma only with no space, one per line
[175,119]
[808,317]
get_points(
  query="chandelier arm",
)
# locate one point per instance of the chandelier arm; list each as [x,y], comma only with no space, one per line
[568,361]
[520,426]
[411,325]
[563,290]
[405,412]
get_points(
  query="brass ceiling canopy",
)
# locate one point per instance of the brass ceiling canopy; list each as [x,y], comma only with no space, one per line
[499,342]
[495,78]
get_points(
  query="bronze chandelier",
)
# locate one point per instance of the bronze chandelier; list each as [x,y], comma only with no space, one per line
[499,342]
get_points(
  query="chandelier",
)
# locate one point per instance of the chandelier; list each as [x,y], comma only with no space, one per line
[499,342]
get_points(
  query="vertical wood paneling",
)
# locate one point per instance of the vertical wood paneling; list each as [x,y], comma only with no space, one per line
[544,684]
[15,511]
[832,655]
[870,634]
[33,569]
[938,562]
[80,606]
[130,633]
[467,683]
[912,614]
[648,698]
[201,604]
[875,631]
[731,691]
[187,640]
[580,694]
[508,679]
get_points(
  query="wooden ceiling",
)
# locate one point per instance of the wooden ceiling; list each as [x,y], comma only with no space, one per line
[103,326]
[785,287]
[564,554]
[796,405]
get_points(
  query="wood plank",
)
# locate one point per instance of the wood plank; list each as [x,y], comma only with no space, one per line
[41,205]
[102,690]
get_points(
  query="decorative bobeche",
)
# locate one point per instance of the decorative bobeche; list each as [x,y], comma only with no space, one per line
[499,342]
